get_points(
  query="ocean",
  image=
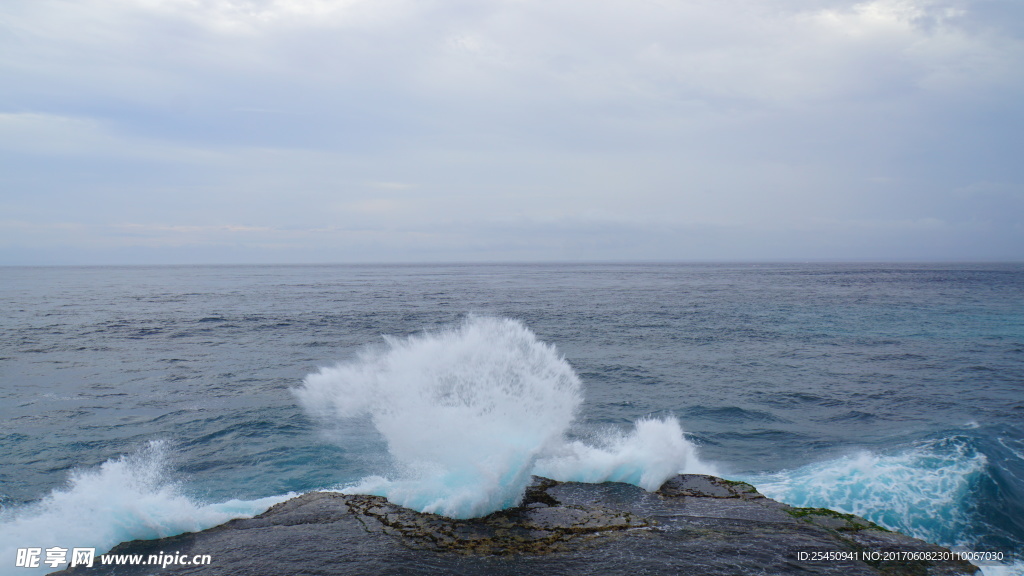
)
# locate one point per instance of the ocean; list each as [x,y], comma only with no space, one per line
[141,402]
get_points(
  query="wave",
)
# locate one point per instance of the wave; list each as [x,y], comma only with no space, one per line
[920,491]
[128,498]
[949,490]
[654,451]
[470,412]
[1016,568]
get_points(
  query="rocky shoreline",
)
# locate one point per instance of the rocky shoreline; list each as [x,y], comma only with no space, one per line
[694,524]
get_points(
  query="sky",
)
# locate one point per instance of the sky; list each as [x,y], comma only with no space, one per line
[323,131]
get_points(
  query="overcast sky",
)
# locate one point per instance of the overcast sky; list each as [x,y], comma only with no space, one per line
[294,131]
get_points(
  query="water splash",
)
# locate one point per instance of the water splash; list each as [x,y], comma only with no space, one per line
[924,491]
[128,498]
[654,451]
[471,412]
[465,412]
[1015,568]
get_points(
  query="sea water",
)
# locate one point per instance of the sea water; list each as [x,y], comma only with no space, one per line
[142,402]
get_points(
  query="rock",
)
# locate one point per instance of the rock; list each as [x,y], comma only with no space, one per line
[694,524]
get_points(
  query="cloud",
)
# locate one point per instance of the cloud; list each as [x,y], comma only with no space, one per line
[431,127]
[520,51]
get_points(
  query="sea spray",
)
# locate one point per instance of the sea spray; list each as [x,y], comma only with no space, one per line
[465,412]
[469,413]
[124,499]
[654,451]
[925,490]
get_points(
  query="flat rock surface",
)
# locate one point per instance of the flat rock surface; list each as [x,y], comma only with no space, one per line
[694,524]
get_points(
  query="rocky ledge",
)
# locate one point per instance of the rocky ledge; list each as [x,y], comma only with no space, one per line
[694,524]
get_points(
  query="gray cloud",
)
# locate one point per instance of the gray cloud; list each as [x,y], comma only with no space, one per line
[315,130]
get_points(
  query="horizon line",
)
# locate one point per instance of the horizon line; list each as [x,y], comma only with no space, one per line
[779,261]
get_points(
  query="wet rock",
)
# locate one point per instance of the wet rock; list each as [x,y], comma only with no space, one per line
[694,524]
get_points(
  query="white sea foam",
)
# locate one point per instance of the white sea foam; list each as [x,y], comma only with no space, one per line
[654,451]
[1015,568]
[923,491]
[471,412]
[124,499]
[1016,447]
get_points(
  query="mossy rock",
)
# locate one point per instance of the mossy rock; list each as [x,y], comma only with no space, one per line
[828,518]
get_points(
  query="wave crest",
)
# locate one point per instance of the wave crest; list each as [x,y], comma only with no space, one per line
[128,498]
[471,412]
[923,491]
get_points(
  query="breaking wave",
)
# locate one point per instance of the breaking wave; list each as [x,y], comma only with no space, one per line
[920,491]
[469,413]
[942,490]
[128,498]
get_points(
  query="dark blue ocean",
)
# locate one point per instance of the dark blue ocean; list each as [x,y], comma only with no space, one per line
[140,402]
